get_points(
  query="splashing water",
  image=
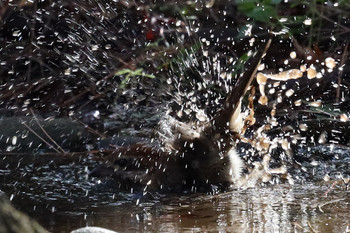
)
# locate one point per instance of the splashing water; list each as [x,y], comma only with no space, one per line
[91,58]
[268,156]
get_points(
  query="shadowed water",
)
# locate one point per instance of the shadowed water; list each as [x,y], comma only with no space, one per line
[59,194]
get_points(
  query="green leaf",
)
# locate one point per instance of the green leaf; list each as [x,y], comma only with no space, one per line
[131,73]
[243,2]
[263,13]
[276,2]
[247,7]
[123,71]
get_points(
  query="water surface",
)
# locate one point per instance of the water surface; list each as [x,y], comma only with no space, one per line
[58,193]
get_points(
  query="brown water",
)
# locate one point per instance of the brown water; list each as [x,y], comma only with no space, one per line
[271,209]
[58,193]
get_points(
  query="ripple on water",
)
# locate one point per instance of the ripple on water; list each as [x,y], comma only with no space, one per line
[63,198]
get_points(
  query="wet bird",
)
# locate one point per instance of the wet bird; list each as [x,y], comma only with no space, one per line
[193,157]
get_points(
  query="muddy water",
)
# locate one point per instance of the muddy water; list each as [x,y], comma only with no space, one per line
[59,194]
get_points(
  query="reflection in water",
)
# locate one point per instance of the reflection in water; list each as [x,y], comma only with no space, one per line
[268,209]
[62,198]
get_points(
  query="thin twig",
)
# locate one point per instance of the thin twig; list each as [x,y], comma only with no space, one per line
[67,154]
[298,225]
[45,132]
[330,188]
[75,97]
[91,130]
[312,229]
[42,139]
[332,21]
[329,202]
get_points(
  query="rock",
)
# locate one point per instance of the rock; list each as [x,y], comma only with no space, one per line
[92,230]
[16,137]
[14,221]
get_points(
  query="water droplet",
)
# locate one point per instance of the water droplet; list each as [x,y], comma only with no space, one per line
[344,118]
[67,71]
[293,55]
[14,140]
[330,62]
[289,93]
[307,22]
[303,127]
[311,72]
